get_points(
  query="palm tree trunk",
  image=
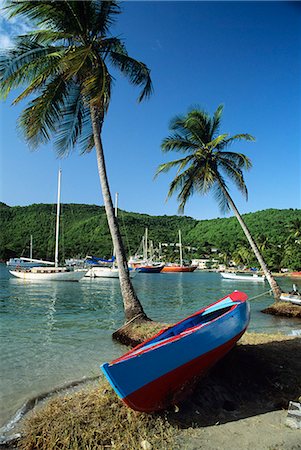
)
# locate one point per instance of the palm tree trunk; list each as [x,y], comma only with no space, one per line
[272,282]
[132,305]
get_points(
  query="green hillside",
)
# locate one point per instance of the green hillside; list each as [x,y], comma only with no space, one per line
[84,230]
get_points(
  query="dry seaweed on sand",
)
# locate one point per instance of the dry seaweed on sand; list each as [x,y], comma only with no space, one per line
[93,419]
[259,375]
[284,309]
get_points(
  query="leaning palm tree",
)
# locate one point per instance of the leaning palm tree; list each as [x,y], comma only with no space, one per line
[206,161]
[64,67]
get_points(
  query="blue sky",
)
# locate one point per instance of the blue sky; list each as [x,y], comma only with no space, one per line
[245,55]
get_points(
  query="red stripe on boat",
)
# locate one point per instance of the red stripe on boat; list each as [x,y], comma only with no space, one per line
[171,387]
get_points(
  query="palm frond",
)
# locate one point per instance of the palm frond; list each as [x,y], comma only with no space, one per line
[165,167]
[219,189]
[215,143]
[177,143]
[105,13]
[136,71]
[97,88]
[40,118]
[43,37]
[241,160]
[23,63]
[63,15]
[70,127]
[215,123]
[236,176]
[239,137]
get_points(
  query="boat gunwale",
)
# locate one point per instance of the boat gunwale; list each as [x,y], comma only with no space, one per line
[142,348]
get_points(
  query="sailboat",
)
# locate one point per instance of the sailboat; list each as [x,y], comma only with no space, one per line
[99,269]
[24,262]
[179,267]
[55,273]
[146,264]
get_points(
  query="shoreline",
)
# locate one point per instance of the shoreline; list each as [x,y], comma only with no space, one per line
[250,387]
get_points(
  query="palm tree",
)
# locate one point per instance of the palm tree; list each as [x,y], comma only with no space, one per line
[206,161]
[64,67]
[294,228]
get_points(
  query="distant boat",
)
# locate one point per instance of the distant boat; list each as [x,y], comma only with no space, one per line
[105,268]
[150,268]
[295,274]
[179,267]
[291,298]
[241,277]
[154,374]
[100,268]
[26,263]
[55,273]
[146,264]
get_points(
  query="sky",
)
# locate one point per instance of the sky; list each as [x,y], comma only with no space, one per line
[244,55]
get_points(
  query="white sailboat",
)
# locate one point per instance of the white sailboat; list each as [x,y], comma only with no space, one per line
[26,263]
[242,277]
[108,271]
[55,273]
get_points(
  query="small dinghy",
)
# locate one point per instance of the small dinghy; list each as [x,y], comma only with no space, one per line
[158,372]
[293,297]
[242,277]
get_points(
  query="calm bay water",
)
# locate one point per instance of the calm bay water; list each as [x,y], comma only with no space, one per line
[54,333]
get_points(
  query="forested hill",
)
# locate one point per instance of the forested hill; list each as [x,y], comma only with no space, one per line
[84,230]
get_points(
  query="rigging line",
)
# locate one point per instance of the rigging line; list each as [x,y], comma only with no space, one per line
[261,295]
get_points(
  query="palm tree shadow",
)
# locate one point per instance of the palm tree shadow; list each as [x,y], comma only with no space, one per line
[250,380]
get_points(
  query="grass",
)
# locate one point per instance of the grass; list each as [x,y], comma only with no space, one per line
[94,419]
[261,374]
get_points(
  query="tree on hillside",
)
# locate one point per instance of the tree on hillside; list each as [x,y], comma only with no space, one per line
[294,228]
[64,66]
[207,160]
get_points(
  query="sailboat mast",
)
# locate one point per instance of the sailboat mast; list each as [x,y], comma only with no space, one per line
[56,258]
[30,248]
[180,244]
[146,244]
[116,204]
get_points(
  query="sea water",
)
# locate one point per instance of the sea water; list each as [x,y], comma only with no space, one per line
[53,333]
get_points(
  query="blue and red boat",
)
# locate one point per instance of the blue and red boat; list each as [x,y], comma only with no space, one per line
[153,375]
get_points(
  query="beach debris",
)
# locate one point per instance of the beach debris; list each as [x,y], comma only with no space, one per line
[293,419]
[145,445]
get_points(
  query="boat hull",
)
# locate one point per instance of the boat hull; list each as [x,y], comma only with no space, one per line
[75,275]
[291,298]
[233,276]
[106,272]
[158,373]
[177,269]
[149,268]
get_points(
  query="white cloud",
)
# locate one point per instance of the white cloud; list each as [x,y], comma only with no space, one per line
[5,41]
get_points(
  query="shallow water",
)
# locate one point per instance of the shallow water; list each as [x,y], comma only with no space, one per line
[54,333]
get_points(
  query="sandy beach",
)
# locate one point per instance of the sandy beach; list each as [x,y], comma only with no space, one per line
[241,404]
[260,432]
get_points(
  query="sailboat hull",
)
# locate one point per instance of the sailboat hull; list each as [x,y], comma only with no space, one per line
[172,269]
[48,274]
[106,272]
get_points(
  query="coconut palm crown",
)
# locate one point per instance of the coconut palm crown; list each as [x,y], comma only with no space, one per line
[63,67]
[206,165]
